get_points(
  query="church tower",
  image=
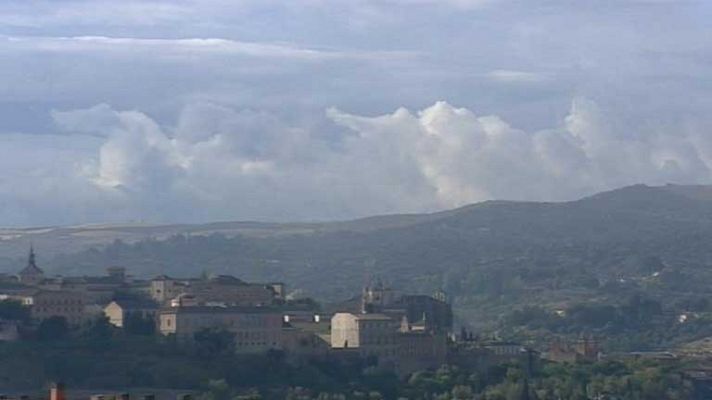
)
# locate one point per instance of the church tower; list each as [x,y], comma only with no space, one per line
[376,297]
[31,274]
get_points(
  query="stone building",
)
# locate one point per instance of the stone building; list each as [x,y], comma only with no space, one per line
[483,354]
[377,297]
[372,334]
[419,350]
[306,332]
[119,310]
[222,289]
[304,341]
[434,313]
[165,288]
[47,303]
[403,346]
[94,289]
[256,329]
[44,304]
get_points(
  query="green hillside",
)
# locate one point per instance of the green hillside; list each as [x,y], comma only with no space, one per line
[491,257]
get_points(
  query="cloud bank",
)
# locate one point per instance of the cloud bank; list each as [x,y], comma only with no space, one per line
[216,162]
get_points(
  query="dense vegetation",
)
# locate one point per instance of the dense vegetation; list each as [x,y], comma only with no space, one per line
[636,324]
[118,360]
[601,381]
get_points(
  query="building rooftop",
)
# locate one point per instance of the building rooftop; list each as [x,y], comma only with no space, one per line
[226,280]
[144,304]
[220,310]
[370,317]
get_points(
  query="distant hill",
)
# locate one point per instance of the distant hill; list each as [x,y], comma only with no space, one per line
[489,256]
[15,242]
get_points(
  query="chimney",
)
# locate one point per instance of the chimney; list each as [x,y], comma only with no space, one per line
[56,392]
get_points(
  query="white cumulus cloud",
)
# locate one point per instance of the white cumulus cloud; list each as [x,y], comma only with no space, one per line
[216,162]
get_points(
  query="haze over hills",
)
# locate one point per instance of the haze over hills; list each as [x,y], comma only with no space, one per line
[671,202]
[57,240]
[64,239]
[495,253]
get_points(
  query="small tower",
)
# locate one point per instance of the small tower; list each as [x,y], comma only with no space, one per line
[376,297]
[31,274]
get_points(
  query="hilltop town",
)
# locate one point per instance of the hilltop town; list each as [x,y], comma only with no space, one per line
[391,341]
[403,332]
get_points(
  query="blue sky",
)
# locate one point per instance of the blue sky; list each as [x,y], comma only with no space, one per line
[187,111]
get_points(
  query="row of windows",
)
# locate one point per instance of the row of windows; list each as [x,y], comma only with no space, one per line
[168,322]
[247,321]
[249,335]
[46,302]
[245,344]
[375,325]
[57,310]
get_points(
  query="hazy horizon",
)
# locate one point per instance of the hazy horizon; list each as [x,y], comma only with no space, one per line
[140,223]
[200,111]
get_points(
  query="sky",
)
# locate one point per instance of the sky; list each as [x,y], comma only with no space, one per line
[209,110]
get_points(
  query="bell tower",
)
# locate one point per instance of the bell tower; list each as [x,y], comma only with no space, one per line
[31,274]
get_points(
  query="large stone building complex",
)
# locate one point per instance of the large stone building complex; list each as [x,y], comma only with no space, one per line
[255,329]
[407,332]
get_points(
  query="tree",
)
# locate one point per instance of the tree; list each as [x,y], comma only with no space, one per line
[52,328]
[137,324]
[13,310]
[462,392]
[218,389]
[98,329]
[213,341]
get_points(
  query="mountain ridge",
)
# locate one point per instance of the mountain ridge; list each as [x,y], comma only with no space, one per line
[491,256]
[63,239]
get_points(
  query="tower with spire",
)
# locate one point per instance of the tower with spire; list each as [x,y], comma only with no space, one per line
[31,274]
